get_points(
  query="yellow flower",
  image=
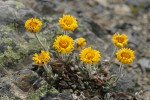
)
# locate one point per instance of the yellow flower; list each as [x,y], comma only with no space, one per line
[125,55]
[88,55]
[64,44]
[120,40]
[33,25]
[42,58]
[68,22]
[80,43]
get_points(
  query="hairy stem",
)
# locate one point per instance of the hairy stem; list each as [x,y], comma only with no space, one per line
[120,73]
[39,41]
[46,68]
[113,52]
[65,32]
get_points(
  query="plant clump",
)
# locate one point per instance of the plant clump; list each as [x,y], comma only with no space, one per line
[72,65]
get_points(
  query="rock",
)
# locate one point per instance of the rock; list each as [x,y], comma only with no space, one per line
[96,29]
[122,10]
[4,88]
[144,63]
[95,98]
[65,96]
[26,79]
[125,84]
[5,92]
[136,2]
[114,69]
[11,10]
[59,96]
[134,38]
[49,96]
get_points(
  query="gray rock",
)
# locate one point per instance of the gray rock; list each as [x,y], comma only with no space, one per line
[96,29]
[114,69]
[5,93]
[136,2]
[11,10]
[144,63]
[134,38]
[65,96]
[125,84]
[122,10]
[26,79]
[4,88]
[95,98]
[59,96]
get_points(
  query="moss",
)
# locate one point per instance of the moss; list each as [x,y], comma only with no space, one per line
[9,56]
[9,53]
[8,28]
[41,92]
[23,49]
[7,40]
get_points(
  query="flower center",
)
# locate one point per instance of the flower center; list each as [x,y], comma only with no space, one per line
[32,24]
[90,55]
[63,44]
[68,22]
[79,44]
[125,55]
[120,39]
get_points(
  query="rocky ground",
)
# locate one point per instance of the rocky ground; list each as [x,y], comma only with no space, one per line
[98,20]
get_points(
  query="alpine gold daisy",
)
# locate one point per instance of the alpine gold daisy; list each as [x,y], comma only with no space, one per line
[64,44]
[90,56]
[125,55]
[33,25]
[120,40]
[80,43]
[42,58]
[68,22]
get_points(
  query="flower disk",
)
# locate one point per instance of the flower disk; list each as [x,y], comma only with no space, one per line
[88,55]
[42,58]
[68,22]
[33,25]
[64,44]
[125,55]
[80,43]
[120,40]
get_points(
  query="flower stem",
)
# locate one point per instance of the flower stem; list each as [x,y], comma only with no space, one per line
[89,70]
[113,52]
[63,57]
[120,72]
[46,68]
[39,41]
[65,32]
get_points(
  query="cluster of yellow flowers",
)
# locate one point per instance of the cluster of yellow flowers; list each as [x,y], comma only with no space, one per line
[64,44]
[124,55]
